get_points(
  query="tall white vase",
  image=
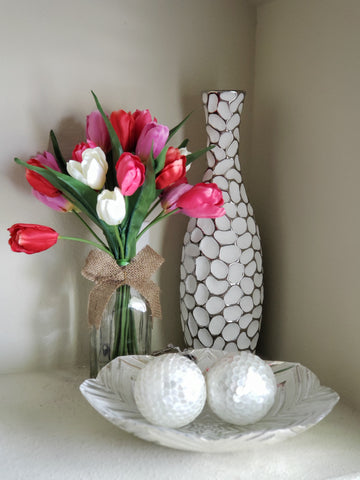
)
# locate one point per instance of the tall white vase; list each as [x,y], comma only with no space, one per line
[221,287]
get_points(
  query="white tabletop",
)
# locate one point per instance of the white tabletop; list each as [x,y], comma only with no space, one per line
[49,431]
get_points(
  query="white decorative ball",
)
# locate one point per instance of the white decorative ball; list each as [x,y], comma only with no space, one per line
[170,390]
[241,388]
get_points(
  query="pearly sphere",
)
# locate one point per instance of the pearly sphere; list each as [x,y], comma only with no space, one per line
[241,388]
[170,390]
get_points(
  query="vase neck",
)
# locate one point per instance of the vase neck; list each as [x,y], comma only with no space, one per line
[223,114]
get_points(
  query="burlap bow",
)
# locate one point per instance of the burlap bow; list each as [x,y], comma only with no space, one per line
[102,269]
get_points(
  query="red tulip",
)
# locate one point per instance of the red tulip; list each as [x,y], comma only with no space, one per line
[174,169]
[80,148]
[30,238]
[203,200]
[124,126]
[38,182]
[128,126]
[42,189]
[130,173]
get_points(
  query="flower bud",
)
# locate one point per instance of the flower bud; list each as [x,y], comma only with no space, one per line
[97,132]
[124,126]
[174,169]
[42,189]
[153,136]
[111,207]
[29,238]
[92,170]
[37,181]
[203,200]
[171,195]
[130,173]
[80,148]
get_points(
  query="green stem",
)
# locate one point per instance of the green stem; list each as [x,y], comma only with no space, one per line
[133,334]
[125,337]
[82,240]
[89,228]
[121,246]
[152,208]
[157,219]
[118,323]
[122,321]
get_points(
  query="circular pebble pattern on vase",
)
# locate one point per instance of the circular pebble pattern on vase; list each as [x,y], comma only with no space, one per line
[221,286]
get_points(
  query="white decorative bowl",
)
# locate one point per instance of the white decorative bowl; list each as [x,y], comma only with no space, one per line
[300,403]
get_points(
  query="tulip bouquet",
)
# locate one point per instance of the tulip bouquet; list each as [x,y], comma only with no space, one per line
[124,178]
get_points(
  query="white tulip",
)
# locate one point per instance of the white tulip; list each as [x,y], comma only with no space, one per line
[92,170]
[111,207]
[184,151]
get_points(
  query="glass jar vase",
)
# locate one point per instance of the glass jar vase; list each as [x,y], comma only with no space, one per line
[125,329]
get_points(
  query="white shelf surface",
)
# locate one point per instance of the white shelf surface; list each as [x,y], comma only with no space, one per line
[49,431]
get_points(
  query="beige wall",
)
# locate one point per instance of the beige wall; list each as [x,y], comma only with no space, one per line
[304,182]
[158,54]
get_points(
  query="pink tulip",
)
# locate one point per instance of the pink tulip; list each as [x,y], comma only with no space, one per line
[142,118]
[171,195]
[80,148]
[153,136]
[203,200]
[58,203]
[97,132]
[128,126]
[130,173]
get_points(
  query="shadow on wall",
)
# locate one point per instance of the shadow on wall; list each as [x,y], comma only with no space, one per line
[169,280]
[263,177]
[59,317]
[69,132]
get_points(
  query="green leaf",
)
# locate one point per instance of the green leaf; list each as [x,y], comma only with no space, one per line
[184,143]
[58,155]
[111,181]
[117,149]
[193,156]
[177,127]
[130,205]
[160,160]
[115,142]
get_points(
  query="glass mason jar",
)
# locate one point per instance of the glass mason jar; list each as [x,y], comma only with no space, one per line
[125,329]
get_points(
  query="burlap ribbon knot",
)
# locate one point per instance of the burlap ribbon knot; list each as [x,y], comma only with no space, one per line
[102,269]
